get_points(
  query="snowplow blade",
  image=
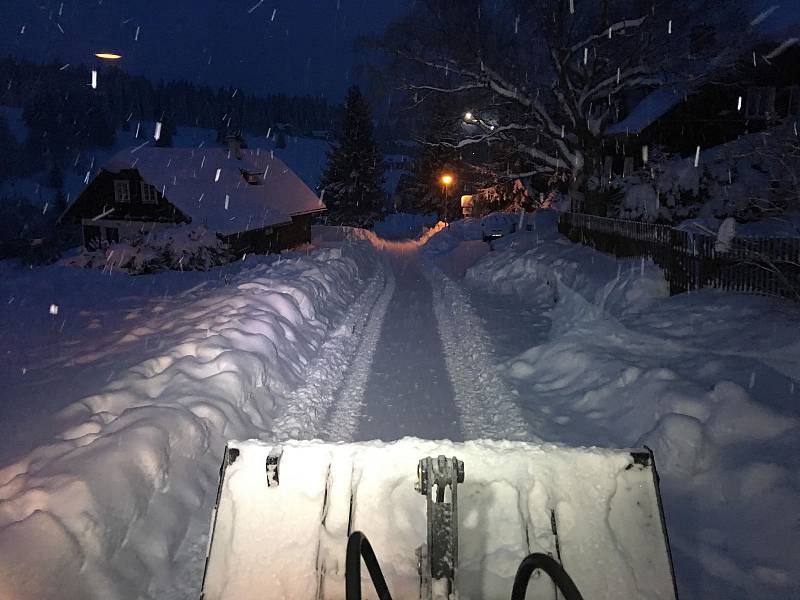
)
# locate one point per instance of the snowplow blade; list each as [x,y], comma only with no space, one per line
[284,513]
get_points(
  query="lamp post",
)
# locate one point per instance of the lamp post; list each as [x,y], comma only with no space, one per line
[447,179]
[109,57]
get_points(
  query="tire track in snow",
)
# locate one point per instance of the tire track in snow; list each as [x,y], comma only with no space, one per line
[486,405]
[346,412]
[309,405]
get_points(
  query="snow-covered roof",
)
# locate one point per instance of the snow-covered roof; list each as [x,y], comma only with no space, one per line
[776,19]
[651,108]
[207,185]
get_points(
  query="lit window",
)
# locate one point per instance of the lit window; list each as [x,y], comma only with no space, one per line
[122,191]
[149,194]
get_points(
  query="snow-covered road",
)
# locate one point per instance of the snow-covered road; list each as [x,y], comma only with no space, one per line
[411,359]
[408,392]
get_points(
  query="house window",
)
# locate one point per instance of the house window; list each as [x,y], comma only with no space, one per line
[122,190]
[627,169]
[91,236]
[149,194]
[793,107]
[112,234]
[760,103]
[608,163]
[251,178]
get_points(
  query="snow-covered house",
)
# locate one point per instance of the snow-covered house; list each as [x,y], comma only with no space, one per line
[761,89]
[249,198]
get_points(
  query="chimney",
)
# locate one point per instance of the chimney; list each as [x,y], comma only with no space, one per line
[234,146]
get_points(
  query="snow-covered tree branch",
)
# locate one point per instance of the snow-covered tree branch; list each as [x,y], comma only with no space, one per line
[552,78]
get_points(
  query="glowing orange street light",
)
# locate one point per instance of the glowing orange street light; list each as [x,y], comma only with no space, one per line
[447,179]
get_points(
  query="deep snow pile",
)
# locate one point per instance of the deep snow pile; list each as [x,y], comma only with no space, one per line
[706,380]
[102,510]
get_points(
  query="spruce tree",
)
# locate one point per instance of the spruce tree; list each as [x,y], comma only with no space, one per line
[352,184]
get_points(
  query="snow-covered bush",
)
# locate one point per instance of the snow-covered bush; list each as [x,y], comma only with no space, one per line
[510,196]
[178,248]
[749,179]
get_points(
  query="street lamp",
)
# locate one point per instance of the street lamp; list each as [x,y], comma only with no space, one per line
[473,119]
[103,56]
[447,179]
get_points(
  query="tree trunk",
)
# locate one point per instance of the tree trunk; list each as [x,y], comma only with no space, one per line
[577,196]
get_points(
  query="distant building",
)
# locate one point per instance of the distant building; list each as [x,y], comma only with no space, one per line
[746,100]
[250,199]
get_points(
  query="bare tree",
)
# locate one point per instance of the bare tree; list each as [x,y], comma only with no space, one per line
[544,78]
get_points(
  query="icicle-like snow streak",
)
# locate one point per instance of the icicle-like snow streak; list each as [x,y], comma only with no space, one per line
[346,412]
[486,405]
[307,408]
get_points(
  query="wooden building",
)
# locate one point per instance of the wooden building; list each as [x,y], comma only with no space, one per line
[249,198]
[762,90]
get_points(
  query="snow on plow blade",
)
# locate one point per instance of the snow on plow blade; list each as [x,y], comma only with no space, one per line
[284,513]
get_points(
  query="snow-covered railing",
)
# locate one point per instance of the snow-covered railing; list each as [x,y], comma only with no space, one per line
[759,265]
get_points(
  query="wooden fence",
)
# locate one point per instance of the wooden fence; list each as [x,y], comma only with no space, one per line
[769,266]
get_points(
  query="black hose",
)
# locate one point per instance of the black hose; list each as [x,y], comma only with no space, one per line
[550,566]
[357,546]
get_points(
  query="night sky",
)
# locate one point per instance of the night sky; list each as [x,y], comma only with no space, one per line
[292,46]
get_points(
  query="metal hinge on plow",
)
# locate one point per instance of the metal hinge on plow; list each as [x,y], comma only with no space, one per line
[437,480]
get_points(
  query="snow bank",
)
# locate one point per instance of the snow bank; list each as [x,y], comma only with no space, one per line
[706,380]
[544,264]
[102,510]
